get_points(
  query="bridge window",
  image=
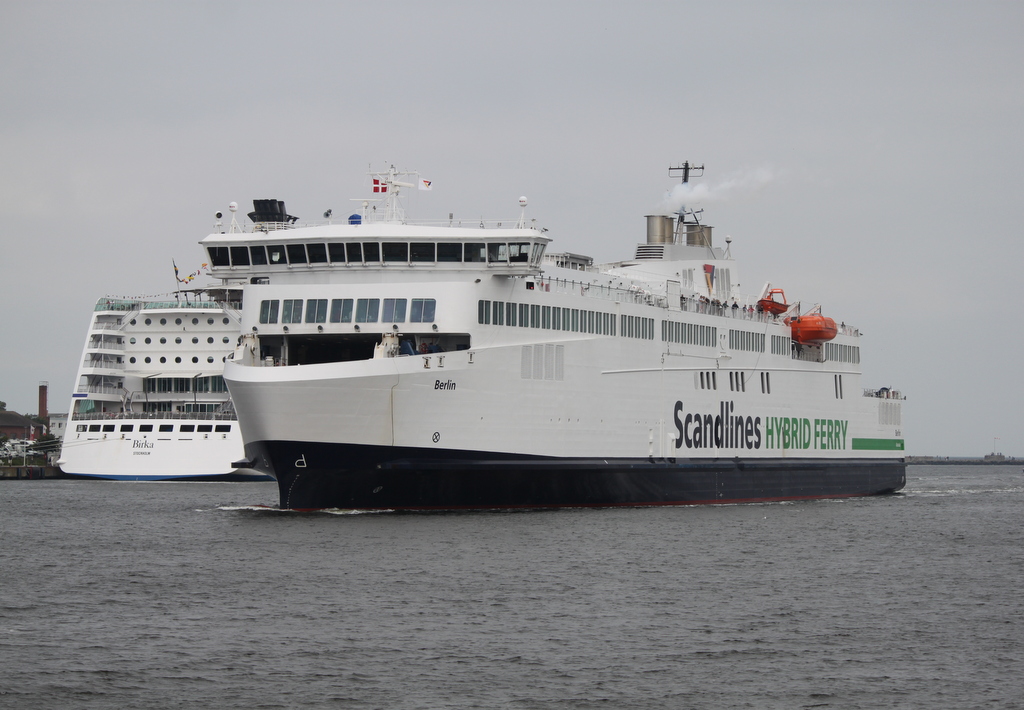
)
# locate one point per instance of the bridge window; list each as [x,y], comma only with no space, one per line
[239,256]
[519,253]
[317,253]
[355,252]
[419,252]
[258,255]
[475,253]
[276,254]
[219,256]
[371,252]
[497,253]
[296,254]
[448,251]
[396,251]
[336,252]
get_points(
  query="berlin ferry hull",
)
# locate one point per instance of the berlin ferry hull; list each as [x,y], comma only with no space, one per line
[406,478]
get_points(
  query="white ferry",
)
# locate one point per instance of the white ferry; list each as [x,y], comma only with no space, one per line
[150,402]
[387,365]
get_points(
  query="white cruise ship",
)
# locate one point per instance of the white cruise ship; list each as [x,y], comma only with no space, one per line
[150,402]
[389,365]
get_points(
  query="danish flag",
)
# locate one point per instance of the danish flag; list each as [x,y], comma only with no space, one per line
[379,185]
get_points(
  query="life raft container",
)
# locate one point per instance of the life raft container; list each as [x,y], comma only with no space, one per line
[812,329]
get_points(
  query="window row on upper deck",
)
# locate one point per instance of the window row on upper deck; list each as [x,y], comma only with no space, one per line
[376,252]
[366,310]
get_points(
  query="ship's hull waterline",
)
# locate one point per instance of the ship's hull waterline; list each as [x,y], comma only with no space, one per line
[318,475]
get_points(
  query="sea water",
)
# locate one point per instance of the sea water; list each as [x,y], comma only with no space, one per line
[184,595]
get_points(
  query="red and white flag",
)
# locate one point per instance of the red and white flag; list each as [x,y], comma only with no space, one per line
[379,185]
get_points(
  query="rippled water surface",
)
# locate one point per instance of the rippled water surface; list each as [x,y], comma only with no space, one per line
[183,595]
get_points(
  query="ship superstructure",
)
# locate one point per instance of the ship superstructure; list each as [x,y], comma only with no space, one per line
[150,402]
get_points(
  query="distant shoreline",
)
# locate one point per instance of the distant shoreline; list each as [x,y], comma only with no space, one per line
[957,461]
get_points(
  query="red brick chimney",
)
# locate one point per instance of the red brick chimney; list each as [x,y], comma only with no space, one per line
[43,413]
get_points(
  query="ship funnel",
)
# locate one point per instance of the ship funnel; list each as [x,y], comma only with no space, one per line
[270,211]
[660,229]
[695,235]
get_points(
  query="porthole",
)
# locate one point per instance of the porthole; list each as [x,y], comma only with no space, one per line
[148,360]
[195,341]
[177,321]
[227,339]
[131,360]
[177,360]
[195,359]
[163,360]
[149,321]
[210,340]
[209,321]
[210,359]
[163,321]
[131,340]
[163,341]
[226,321]
[195,321]
[149,341]
[133,321]
[177,341]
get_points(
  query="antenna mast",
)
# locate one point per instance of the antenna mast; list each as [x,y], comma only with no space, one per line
[686,168]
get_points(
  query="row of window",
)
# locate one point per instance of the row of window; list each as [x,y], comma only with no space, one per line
[342,310]
[573,320]
[178,321]
[376,253]
[782,345]
[737,382]
[143,428]
[163,359]
[178,341]
[745,340]
[178,408]
[708,380]
[212,383]
[837,352]
[688,333]
[527,315]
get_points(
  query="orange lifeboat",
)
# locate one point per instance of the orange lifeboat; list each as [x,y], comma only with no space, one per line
[768,304]
[812,329]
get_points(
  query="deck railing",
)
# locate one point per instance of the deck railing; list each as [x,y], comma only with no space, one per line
[98,416]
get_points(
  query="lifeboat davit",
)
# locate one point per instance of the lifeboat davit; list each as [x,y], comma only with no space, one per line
[768,304]
[812,329]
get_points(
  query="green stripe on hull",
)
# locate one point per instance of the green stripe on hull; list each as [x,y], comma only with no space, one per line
[878,444]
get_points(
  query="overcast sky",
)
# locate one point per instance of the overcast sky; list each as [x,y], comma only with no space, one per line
[864,155]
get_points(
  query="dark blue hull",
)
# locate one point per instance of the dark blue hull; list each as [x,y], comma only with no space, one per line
[312,476]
